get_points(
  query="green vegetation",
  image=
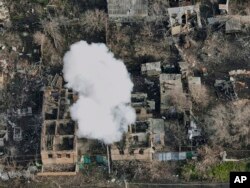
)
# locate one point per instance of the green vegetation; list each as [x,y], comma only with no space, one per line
[218,172]
[221,171]
[189,172]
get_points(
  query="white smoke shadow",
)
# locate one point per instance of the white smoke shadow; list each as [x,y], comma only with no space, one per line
[104,86]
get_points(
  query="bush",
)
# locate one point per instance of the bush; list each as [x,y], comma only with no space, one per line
[189,172]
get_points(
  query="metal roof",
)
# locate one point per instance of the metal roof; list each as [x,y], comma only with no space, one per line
[126,8]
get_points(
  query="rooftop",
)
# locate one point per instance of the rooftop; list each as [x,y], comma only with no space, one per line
[127,8]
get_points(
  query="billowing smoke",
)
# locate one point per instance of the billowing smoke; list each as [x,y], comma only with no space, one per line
[104,87]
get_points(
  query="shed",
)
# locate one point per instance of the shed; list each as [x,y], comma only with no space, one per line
[151,68]
[233,25]
[127,8]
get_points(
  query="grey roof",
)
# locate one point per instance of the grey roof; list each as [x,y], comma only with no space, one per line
[151,66]
[233,25]
[170,156]
[170,82]
[126,8]
[194,82]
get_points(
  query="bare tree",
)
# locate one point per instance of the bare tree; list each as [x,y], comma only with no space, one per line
[230,124]
[94,21]
[178,99]
[200,95]
[48,53]
[52,29]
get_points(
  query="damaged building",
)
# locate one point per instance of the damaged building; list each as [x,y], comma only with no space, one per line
[141,141]
[171,87]
[144,108]
[183,18]
[58,136]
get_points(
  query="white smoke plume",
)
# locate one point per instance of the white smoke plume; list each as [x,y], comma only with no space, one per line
[104,87]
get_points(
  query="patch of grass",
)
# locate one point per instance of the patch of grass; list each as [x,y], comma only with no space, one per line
[189,172]
[221,172]
[217,172]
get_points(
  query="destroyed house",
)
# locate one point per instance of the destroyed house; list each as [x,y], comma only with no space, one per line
[144,108]
[127,8]
[182,19]
[141,141]
[135,144]
[58,136]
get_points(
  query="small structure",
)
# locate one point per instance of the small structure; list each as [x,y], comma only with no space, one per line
[181,18]
[151,69]
[24,112]
[143,107]
[194,83]
[58,136]
[17,135]
[233,25]
[127,8]
[174,156]
[157,131]
[193,131]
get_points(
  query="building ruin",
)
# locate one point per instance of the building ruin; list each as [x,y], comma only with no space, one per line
[144,108]
[58,136]
[141,141]
[182,19]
